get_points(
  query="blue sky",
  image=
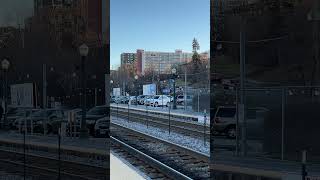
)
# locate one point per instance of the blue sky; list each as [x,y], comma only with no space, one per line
[158,25]
[13,12]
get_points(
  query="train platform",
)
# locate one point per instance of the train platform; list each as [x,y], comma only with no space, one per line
[262,167]
[121,169]
[90,145]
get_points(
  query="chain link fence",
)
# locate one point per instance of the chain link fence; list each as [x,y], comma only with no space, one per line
[280,122]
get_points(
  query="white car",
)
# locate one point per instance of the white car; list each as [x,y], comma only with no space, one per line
[160,100]
[147,100]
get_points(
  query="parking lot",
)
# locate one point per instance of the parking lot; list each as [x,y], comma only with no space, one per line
[48,121]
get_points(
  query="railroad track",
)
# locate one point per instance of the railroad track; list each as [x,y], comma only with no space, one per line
[187,163]
[49,166]
[191,129]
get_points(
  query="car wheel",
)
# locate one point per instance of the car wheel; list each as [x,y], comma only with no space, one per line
[231,132]
[168,104]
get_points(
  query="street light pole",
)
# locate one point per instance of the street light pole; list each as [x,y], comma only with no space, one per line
[136,81]
[83,52]
[174,71]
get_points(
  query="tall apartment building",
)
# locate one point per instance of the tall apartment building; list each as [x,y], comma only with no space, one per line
[162,62]
[158,62]
[75,21]
[128,58]
[138,64]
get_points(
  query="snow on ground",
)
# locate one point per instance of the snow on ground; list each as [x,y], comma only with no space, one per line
[121,169]
[189,111]
[196,144]
[180,110]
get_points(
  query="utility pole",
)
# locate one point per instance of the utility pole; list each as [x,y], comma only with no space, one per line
[314,16]
[242,109]
[95,96]
[44,94]
[185,87]
[159,78]
[44,86]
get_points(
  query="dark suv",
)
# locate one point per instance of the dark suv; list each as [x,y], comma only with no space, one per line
[225,121]
[93,115]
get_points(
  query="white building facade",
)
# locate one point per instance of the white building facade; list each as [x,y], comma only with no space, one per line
[162,62]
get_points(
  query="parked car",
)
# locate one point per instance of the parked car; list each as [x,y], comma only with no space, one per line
[19,113]
[117,99]
[170,97]
[140,99]
[160,100]
[125,99]
[132,100]
[50,116]
[144,98]
[181,99]
[94,114]
[112,99]
[225,119]
[101,127]
[147,100]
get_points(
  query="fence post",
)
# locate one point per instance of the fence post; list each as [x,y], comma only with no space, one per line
[204,127]
[31,123]
[24,154]
[237,122]
[162,101]
[304,161]
[128,112]
[199,100]
[169,118]
[59,152]
[283,104]
[147,116]
[117,110]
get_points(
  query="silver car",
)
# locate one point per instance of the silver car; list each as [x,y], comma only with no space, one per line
[225,121]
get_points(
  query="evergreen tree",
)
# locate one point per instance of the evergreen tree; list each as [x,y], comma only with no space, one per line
[196,61]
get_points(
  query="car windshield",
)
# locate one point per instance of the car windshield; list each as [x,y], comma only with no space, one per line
[97,111]
[156,97]
[226,112]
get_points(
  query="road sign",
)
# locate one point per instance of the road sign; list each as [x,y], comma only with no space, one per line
[116,92]
[22,95]
[149,89]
